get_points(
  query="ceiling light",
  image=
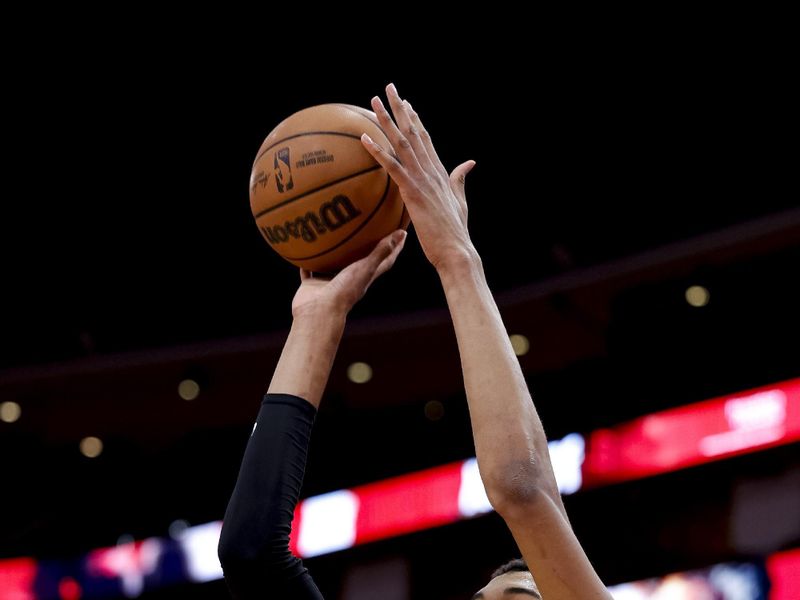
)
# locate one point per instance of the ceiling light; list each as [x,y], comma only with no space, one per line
[91,447]
[697,296]
[359,372]
[10,412]
[520,344]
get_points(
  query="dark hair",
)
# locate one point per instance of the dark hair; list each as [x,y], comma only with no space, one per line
[516,564]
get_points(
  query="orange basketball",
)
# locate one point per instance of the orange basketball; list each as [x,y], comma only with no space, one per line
[318,197]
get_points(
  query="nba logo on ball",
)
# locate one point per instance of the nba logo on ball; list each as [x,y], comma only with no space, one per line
[283,170]
[331,202]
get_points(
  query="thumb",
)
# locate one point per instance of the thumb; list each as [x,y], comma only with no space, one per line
[366,267]
[458,178]
[352,281]
[385,248]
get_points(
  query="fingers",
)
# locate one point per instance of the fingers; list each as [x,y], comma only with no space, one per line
[304,274]
[402,116]
[388,262]
[358,276]
[401,143]
[433,156]
[383,256]
[393,167]
[408,137]
[386,248]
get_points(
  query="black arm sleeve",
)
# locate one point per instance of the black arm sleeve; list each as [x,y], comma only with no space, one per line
[254,545]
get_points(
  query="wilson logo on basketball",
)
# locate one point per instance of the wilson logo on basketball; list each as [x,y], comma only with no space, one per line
[283,170]
[331,216]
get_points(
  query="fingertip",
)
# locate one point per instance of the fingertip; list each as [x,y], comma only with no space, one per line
[369,142]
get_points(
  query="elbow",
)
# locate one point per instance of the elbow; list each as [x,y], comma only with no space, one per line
[244,553]
[515,488]
[237,549]
[239,566]
[231,551]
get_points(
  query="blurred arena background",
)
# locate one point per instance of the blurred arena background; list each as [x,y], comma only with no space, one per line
[639,222]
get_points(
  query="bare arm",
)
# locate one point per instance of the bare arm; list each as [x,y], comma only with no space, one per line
[510,442]
[511,446]
[319,309]
[308,355]
[509,439]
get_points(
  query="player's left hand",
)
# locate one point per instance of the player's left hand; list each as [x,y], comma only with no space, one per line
[435,199]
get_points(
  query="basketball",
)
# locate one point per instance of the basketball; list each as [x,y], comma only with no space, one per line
[318,198]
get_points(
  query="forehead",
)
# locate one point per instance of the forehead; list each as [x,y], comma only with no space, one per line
[516,579]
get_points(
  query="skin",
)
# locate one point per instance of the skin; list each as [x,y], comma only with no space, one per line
[510,443]
[319,311]
[516,585]
[509,439]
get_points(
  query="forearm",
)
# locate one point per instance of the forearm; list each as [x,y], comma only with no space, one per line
[509,439]
[254,544]
[308,355]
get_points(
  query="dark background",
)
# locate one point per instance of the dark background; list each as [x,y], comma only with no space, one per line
[131,261]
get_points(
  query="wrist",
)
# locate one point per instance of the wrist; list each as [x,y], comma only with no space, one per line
[319,323]
[320,314]
[317,332]
[464,263]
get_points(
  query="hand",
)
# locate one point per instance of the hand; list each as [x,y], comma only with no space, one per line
[339,295]
[435,200]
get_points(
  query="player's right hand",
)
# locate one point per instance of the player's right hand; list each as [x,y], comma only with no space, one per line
[338,295]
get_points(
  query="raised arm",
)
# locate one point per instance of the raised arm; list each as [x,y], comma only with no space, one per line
[511,446]
[254,545]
